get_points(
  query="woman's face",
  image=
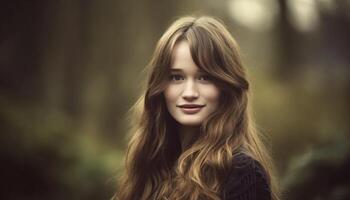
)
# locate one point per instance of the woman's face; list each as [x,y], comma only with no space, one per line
[190,95]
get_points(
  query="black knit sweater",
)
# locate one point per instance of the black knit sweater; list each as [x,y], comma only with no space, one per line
[247,180]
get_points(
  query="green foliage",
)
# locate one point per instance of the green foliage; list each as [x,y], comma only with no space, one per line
[45,157]
[321,173]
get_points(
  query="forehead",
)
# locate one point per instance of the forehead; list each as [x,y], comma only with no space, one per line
[182,52]
[182,59]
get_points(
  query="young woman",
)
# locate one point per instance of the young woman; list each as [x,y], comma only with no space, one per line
[194,137]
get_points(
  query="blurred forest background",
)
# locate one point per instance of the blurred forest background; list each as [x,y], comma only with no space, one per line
[70,70]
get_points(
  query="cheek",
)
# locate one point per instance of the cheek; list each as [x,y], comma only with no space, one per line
[212,94]
[170,94]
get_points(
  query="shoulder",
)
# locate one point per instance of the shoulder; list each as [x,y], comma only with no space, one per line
[247,180]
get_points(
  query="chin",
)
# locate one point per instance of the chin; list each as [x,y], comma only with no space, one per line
[190,122]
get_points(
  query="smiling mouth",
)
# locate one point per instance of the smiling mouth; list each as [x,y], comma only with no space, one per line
[190,108]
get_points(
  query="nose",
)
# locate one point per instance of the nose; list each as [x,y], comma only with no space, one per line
[190,91]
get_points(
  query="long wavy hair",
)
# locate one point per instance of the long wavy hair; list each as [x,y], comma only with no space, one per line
[156,167]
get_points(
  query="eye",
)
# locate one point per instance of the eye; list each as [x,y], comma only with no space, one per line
[176,77]
[205,78]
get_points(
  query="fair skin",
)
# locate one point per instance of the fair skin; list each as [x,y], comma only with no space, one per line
[190,95]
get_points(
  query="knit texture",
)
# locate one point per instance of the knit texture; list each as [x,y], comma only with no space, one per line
[247,180]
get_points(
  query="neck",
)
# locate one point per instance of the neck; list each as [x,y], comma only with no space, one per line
[187,133]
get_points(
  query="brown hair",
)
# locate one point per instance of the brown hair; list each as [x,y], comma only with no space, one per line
[155,167]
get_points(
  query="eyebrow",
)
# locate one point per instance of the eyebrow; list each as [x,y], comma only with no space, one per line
[175,70]
[181,70]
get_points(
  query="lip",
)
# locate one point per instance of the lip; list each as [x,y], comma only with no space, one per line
[190,108]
